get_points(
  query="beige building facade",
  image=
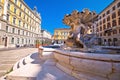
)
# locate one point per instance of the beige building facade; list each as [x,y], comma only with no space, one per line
[46,37]
[19,25]
[107,26]
[61,34]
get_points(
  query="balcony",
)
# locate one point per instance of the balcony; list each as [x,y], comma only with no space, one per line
[108,30]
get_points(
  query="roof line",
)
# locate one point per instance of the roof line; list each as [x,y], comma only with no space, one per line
[107,6]
[29,8]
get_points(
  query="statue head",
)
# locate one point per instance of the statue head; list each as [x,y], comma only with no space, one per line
[85,17]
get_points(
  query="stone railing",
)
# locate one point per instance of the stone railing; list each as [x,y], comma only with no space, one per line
[88,66]
[46,53]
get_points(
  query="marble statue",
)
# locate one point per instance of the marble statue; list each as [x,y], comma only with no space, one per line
[80,23]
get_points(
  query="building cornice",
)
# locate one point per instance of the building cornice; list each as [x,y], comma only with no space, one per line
[30,9]
[107,6]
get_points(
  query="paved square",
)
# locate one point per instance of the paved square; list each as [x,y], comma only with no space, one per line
[10,57]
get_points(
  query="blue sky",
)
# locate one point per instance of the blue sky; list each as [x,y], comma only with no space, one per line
[53,11]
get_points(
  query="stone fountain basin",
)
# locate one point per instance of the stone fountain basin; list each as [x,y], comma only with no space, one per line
[86,66]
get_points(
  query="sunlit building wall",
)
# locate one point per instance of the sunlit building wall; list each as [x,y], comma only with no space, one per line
[19,25]
[46,37]
[61,34]
[108,25]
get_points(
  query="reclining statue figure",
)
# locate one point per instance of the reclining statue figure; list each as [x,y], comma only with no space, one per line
[80,23]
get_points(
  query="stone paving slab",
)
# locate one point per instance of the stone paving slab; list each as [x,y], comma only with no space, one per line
[8,58]
[2,73]
[6,67]
[7,62]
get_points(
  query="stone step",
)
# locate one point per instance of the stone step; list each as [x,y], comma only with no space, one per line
[46,71]
[22,62]
[16,66]
[2,73]
[32,58]
[34,68]
[28,59]
[27,72]
[3,78]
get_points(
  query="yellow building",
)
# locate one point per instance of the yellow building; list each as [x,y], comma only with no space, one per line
[108,25]
[19,25]
[61,34]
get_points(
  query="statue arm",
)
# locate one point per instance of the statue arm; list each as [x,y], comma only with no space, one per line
[70,36]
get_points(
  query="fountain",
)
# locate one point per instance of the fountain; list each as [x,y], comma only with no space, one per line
[77,58]
[80,24]
[80,38]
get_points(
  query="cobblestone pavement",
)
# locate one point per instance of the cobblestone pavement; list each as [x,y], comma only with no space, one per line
[10,57]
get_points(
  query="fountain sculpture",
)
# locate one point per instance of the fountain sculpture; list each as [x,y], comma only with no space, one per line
[80,23]
[57,64]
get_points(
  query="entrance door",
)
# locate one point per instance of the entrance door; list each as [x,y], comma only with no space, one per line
[115,41]
[109,42]
[5,41]
[99,41]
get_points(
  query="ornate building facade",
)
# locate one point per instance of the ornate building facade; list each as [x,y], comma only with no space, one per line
[46,37]
[108,25]
[19,25]
[61,34]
